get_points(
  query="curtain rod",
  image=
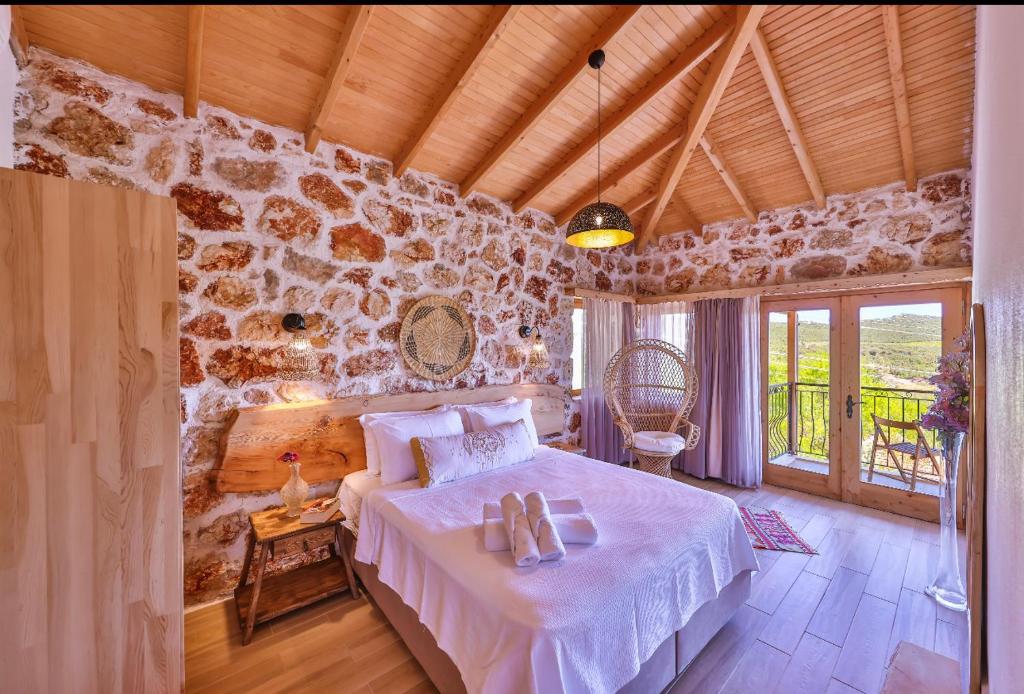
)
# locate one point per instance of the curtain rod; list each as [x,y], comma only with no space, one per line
[902,279]
[595,294]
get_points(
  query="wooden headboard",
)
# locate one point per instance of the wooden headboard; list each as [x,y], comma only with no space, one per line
[329,439]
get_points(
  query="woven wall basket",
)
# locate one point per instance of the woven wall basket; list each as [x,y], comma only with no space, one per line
[437,339]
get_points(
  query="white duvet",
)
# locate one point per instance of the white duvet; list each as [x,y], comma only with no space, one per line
[582,624]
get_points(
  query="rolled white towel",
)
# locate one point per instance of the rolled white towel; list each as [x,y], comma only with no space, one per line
[555,507]
[573,529]
[544,531]
[517,530]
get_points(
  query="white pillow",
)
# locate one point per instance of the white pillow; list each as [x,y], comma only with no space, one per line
[463,410]
[443,459]
[491,416]
[370,441]
[393,436]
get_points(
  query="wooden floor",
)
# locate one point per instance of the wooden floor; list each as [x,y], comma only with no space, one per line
[818,624]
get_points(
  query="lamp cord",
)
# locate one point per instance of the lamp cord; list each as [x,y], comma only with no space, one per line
[599,134]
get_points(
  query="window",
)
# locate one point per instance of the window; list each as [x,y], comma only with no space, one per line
[578,335]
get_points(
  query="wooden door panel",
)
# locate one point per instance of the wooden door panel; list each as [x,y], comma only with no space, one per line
[90,551]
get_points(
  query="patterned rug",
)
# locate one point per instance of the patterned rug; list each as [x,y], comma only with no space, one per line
[767,529]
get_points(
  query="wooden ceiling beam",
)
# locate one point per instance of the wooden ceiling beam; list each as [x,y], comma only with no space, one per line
[500,18]
[715,82]
[19,37]
[795,134]
[894,51]
[341,64]
[728,177]
[194,58]
[608,183]
[692,56]
[615,26]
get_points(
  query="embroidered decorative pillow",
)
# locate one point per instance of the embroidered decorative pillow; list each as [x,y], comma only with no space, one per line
[443,459]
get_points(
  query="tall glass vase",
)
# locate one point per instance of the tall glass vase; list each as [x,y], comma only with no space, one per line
[948,588]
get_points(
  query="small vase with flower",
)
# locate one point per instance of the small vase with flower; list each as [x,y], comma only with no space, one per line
[296,489]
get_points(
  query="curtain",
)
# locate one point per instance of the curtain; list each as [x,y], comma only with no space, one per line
[669,321]
[608,325]
[726,352]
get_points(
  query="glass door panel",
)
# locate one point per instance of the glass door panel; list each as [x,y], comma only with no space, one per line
[899,348]
[799,360]
[892,343]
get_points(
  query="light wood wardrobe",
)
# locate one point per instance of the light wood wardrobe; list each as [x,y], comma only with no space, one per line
[90,491]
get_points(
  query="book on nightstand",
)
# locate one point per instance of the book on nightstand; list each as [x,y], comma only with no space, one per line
[320,510]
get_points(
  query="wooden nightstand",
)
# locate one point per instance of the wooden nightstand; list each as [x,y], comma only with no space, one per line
[272,596]
[567,447]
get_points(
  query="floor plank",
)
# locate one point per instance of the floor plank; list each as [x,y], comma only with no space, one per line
[886,578]
[900,532]
[777,581]
[760,668]
[831,552]
[915,621]
[714,666]
[816,530]
[832,619]
[860,555]
[948,639]
[809,669]
[921,565]
[837,687]
[787,625]
[863,657]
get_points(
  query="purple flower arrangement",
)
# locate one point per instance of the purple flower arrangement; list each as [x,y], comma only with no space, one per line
[288,457]
[950,412]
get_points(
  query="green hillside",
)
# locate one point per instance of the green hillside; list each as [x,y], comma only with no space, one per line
[896,352]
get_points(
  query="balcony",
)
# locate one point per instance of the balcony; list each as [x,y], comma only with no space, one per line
[798,429]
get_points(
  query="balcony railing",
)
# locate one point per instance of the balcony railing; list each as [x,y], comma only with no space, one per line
[798,416]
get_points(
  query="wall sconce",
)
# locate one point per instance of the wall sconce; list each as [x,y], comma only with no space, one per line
[537,351]
[298,360]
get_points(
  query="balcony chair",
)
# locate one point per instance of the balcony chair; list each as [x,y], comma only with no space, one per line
[650,387]
[896,452]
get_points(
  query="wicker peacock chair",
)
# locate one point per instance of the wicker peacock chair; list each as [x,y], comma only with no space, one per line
[650,387]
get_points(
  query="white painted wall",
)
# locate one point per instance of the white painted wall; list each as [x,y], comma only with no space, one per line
[8,81]
[999,285]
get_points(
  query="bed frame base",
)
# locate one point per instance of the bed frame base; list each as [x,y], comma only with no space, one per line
[657,674]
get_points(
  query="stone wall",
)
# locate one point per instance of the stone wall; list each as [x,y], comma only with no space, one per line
[878,231]
[266,228]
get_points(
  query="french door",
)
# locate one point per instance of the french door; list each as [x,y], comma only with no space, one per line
[845,382]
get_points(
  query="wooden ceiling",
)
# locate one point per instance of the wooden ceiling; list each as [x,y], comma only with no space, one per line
[710,112]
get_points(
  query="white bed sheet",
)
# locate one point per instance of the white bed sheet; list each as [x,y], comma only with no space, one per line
[355,486]
[583,624]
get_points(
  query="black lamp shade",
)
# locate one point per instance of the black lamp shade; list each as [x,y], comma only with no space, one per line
[599,225]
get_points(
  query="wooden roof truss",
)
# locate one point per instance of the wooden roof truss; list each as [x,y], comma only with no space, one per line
[691,110]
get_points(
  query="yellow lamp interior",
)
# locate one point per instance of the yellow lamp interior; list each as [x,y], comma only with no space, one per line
[600,238]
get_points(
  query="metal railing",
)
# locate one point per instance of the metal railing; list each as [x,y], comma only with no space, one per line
[798,416]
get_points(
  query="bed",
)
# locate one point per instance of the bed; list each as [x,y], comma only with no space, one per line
[671,567]
[629,614]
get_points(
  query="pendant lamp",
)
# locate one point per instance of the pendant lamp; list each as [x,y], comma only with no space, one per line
[599,224]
